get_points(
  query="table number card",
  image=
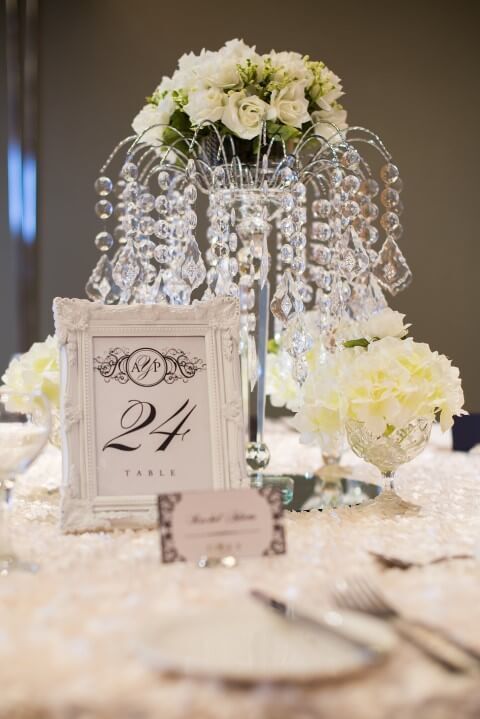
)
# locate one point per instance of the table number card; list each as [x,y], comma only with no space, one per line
[239,523]
[151,404]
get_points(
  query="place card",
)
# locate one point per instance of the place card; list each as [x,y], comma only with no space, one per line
[216,524]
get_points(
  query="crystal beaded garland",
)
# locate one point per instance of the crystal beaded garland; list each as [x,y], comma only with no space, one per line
[319,199]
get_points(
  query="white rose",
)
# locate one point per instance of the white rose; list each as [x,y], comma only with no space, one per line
[289,105]
[329,125]
[151,121]
[206,105]
[244,114]
[289,64]
[386,323]
[36,370]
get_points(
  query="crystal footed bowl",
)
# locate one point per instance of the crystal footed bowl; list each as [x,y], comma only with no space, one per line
[388,452]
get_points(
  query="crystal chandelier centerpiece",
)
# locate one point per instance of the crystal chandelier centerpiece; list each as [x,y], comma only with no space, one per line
[290,224]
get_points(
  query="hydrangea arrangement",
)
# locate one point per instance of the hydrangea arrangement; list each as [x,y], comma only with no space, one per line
[242,92]
[36,371]
[381,378]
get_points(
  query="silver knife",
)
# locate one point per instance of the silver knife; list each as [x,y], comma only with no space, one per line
[330,621]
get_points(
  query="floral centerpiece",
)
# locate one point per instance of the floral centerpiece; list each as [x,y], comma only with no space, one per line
[241,92]
[384,388]
[38,371]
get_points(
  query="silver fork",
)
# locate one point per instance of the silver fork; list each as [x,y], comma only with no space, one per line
[359,594]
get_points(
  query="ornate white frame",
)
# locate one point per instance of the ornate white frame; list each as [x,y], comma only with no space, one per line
[76,323]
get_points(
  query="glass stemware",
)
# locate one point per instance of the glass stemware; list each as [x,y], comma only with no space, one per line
[389,451]
[24,429]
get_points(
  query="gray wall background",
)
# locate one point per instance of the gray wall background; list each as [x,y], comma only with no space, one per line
[409,71]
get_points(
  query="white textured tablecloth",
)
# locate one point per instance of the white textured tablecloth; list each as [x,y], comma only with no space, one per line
[71,635]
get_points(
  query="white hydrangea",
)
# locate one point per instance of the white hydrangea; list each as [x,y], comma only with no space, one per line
[36,370]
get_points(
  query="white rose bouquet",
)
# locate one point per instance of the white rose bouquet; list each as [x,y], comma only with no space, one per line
[381,378]
[241,92]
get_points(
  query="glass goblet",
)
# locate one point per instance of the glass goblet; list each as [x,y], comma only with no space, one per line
[389,451]
[24,429]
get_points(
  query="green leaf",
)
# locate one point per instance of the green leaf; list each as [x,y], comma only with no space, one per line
[273,347]
[362,342]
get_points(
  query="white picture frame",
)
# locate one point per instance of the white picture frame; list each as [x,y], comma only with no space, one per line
[98,492]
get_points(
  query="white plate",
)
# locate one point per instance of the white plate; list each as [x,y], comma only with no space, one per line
[246,642]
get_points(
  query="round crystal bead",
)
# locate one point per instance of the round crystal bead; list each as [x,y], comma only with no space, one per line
[131,191]
[162,229]
[104,209]
[129,171]
[233,242]
[286,226]
[103,241]
[298,265]
[372,235]
[350,209]
[103,186]
[298,240]
[370,211]
[389,173]
[389,221]
[390,198]
[145,248]
[370,187]
[321,208]
[286,253]
[288,202]
[146,225]
[190,193]
[350,158]
[146,202]
[161,205]
[321,231]
[351,184]
[163,179]
[119,187]
[162,254]
[336,176]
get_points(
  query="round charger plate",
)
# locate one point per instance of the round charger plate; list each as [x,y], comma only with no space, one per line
[248,643]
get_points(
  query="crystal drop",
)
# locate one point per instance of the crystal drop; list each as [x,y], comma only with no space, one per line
[145,248]
[284,298]
[162,229]
[190,194]
[287,226]
[288,202]
[351,184]
[190,170]
[300,191]
[391,269]
[233,242]
[305,291]
[321,231]
[372,235]
[336,176]
[350,158]
[103,186]
[300,370]
[321,208]
[296,339]
[191,219]
[348,262]
[193,268]
[129,171]
[113,296]
[299,216]
[119,187]
[350,209]
[389,173]
[298,240]
[126,269]
[101,276]
[321,254]
[146,202]
[390,198]
[131,191]
[163,180]
[286,305]
[162,254]
[286,253]
[161,205]
[103,241]
[288,176]
[119,210]
[370,211]
[177,291]
[298,265]
[389,221]
[104,209]
[370,187]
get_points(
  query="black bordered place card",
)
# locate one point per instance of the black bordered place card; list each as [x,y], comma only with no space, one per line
[151,403]
[237,522]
